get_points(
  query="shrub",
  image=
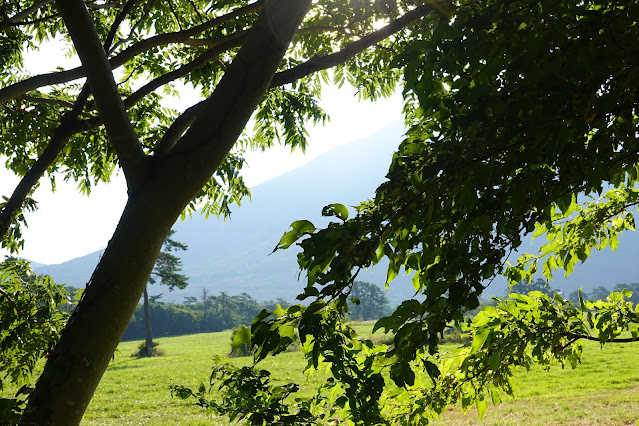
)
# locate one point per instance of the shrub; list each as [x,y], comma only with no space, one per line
[141,351]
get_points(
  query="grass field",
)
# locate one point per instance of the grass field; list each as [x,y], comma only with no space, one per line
[603,391]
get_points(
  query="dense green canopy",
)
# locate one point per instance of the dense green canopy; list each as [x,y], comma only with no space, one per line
[263,59]
[518,112]
[523,120]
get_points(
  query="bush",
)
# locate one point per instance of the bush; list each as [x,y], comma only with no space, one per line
[455,335]
[141,351]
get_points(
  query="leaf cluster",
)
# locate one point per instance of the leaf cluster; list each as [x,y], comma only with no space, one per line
[517,111]
[30,326]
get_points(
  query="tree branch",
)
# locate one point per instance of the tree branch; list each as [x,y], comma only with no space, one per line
[319,63]
[28,11]
[198,62]
[596,339]
[189,116]
[177,129]
[100,78]
[47,100]
[225,114]
[42,80]
[117,22]
[175,15]
[60,137]
[10,300]
[212,42]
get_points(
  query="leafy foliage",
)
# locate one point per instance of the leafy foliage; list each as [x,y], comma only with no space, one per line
[250,395]
[539,284]
[241,342]
[31,323]
[518,112]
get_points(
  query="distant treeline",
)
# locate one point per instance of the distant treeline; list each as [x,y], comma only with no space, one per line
[207,313]
[211,313]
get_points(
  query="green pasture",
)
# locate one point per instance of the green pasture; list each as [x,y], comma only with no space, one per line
[602,391]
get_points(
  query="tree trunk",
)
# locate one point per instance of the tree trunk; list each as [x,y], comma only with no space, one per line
[148,343]
[94,330]
[162,187]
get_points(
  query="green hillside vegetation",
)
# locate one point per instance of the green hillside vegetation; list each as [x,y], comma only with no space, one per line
[603,390]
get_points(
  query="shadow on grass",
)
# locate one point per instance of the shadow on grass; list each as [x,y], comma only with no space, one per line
[119,365]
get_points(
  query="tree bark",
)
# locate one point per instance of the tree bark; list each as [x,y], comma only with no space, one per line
[165,185]
[148,343]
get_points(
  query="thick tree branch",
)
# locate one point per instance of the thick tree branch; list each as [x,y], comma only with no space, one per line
[596,339]
[43,80]
[177,129]
[100,78]
[225,113]
[328,61]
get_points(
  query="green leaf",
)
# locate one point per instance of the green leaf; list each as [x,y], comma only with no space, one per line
[482,406]
[479,340]
[242,337]
[336,209]
[298,229]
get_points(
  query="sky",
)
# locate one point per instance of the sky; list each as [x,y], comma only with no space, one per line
[68,224]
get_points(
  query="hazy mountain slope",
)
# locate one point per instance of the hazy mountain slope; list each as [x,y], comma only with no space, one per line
[234,256]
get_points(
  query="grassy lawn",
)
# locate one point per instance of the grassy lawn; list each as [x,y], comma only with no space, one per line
[603,391]
[135,391]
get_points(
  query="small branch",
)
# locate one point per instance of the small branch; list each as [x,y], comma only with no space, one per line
[94,6]
[145,15]
[328,61]
[46,100]
[175,15]
[117,22]
[212,42]
[197,12]
[198,62]
[100,77]
[596,339]
[28,11]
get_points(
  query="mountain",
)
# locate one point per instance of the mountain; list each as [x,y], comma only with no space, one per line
[235,256]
